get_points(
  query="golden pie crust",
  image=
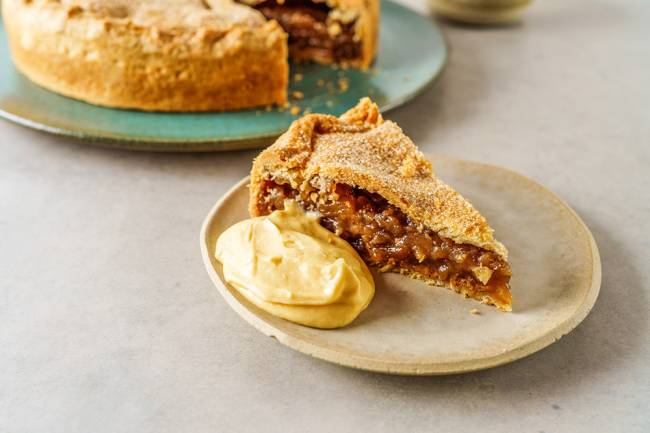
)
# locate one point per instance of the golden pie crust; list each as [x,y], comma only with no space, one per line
[361,152]
[162,55]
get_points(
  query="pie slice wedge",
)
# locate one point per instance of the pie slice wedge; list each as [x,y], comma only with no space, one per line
[375,189]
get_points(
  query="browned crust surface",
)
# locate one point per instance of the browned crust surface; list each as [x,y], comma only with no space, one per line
[368,28]
[139,55]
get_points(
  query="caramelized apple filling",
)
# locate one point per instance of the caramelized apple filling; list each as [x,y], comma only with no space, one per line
[387,238]
[310,33]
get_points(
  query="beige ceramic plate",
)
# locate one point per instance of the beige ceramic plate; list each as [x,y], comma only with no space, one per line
[413,328]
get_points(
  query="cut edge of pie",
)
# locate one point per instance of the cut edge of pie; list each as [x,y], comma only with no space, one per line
[343,32]
[374,188]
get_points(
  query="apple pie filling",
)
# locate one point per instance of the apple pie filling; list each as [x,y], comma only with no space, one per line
[313,33]
[387,238]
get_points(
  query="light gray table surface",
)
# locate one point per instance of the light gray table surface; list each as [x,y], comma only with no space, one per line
[109,323]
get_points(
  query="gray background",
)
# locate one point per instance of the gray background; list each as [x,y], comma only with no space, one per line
[108,321]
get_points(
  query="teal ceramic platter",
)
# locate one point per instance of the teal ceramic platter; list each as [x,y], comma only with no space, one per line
[412,53]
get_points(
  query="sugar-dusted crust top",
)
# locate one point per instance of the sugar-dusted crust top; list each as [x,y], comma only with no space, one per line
[173,27]
[363,150]
[169,15]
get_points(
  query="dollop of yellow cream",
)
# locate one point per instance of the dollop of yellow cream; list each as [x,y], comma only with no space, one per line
[287,264]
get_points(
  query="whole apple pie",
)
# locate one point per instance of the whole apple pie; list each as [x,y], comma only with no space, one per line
[371,186]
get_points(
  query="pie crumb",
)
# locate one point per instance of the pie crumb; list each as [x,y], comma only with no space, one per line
[297,94]
[344,84]
[297,78]
[474,311]
[295,110]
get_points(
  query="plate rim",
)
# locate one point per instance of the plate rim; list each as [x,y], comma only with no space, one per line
[412,368]
[216,144]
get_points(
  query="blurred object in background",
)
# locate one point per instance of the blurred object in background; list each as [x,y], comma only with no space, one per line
[483,12]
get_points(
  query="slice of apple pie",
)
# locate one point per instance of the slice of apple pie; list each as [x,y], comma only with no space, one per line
[372,187]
